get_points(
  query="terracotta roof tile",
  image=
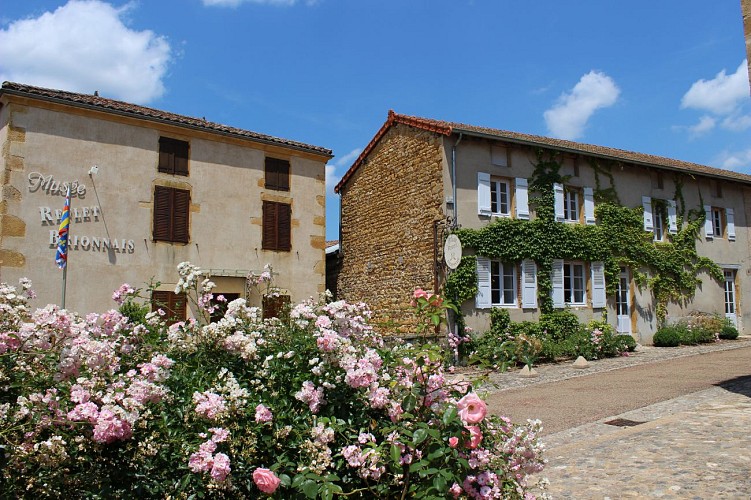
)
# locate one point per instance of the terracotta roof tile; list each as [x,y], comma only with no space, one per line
[120,107]
[447,128]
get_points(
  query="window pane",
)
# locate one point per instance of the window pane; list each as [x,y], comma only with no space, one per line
[494,197]
[508,284]
[495,282]
[504,208]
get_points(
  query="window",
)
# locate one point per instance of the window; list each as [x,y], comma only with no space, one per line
[568,203]
[497,283]
[655,213]
[574,283]
[275,306]
[173,156]
[729,291]
[277,174]
[173,304]
[658,224]
[719,223]
[571,205]
[718,189]
[171,214]
[277,226]
[502,283]
[500,197]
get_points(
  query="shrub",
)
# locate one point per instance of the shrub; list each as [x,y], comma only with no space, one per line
[668,336]
[560,325]
[315,407]
[627,343]
[728,330]
[500,319]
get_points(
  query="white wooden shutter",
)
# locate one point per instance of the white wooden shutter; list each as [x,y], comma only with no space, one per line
[708,227]
[598,284]
[589,206]
[483,193]
[557,278]
[730,216]
[558,193]
[672,218]
[522,199]
[646,202]
[484,298]
[529,284]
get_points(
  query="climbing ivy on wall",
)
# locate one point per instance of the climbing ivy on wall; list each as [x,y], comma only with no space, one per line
[669,269]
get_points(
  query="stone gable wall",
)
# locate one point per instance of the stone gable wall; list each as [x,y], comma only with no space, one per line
[388,211]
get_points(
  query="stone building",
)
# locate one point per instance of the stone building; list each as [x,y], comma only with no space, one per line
[151,189]
[419,179]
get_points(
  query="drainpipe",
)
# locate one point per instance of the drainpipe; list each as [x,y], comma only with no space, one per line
[453,180]
[451,320]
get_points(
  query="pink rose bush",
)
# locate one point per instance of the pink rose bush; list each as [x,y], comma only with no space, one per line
[315,405]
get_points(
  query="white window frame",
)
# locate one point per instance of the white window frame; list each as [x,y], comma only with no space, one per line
[718,229]
[659,226]
[499,272]
[496,184]
[570,269]
[570,205]
[729,284]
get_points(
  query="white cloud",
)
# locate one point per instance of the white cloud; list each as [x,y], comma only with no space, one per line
[568,118]
[85,46]
[334,170]
[740,161]
[235,3]
[722,95]
[706,123]
[737,122]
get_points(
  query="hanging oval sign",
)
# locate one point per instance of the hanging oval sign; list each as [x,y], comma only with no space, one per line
[452,251]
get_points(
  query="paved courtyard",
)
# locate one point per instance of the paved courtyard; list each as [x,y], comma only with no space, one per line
[669,423]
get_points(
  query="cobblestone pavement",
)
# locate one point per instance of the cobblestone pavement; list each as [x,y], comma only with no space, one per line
[693,446]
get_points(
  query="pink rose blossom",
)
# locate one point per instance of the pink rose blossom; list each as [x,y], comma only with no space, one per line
[475,436]
[266,480]
[472,409]
[455,490]
[263,414]
[453,441]
[220,468]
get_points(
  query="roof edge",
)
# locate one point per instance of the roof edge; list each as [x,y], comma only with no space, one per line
[148,114]
[393,118]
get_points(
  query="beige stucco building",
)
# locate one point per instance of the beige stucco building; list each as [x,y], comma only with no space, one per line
[419,179]
[166,189]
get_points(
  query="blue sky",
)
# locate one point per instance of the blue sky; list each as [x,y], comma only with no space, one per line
[662,77]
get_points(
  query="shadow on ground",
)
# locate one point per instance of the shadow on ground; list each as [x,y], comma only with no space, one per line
[738,385]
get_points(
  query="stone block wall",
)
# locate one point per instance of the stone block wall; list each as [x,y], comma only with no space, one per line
[389,207]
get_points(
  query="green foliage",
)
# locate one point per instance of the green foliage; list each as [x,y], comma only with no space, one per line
[136,313]
[669,269]
[500,320]
[728,330]
[668,336]
[627,343]
[559,325]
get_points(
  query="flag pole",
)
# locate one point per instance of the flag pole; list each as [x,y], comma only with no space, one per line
[65,282]
[61,256]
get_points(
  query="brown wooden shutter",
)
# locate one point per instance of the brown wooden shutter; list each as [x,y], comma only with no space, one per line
[277,174]
[178,307]
[269,236]
[175,305]
[181,157]
[275,306]
[166,156]
[162,213]
[173,156]
[284,227]
[181,216]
